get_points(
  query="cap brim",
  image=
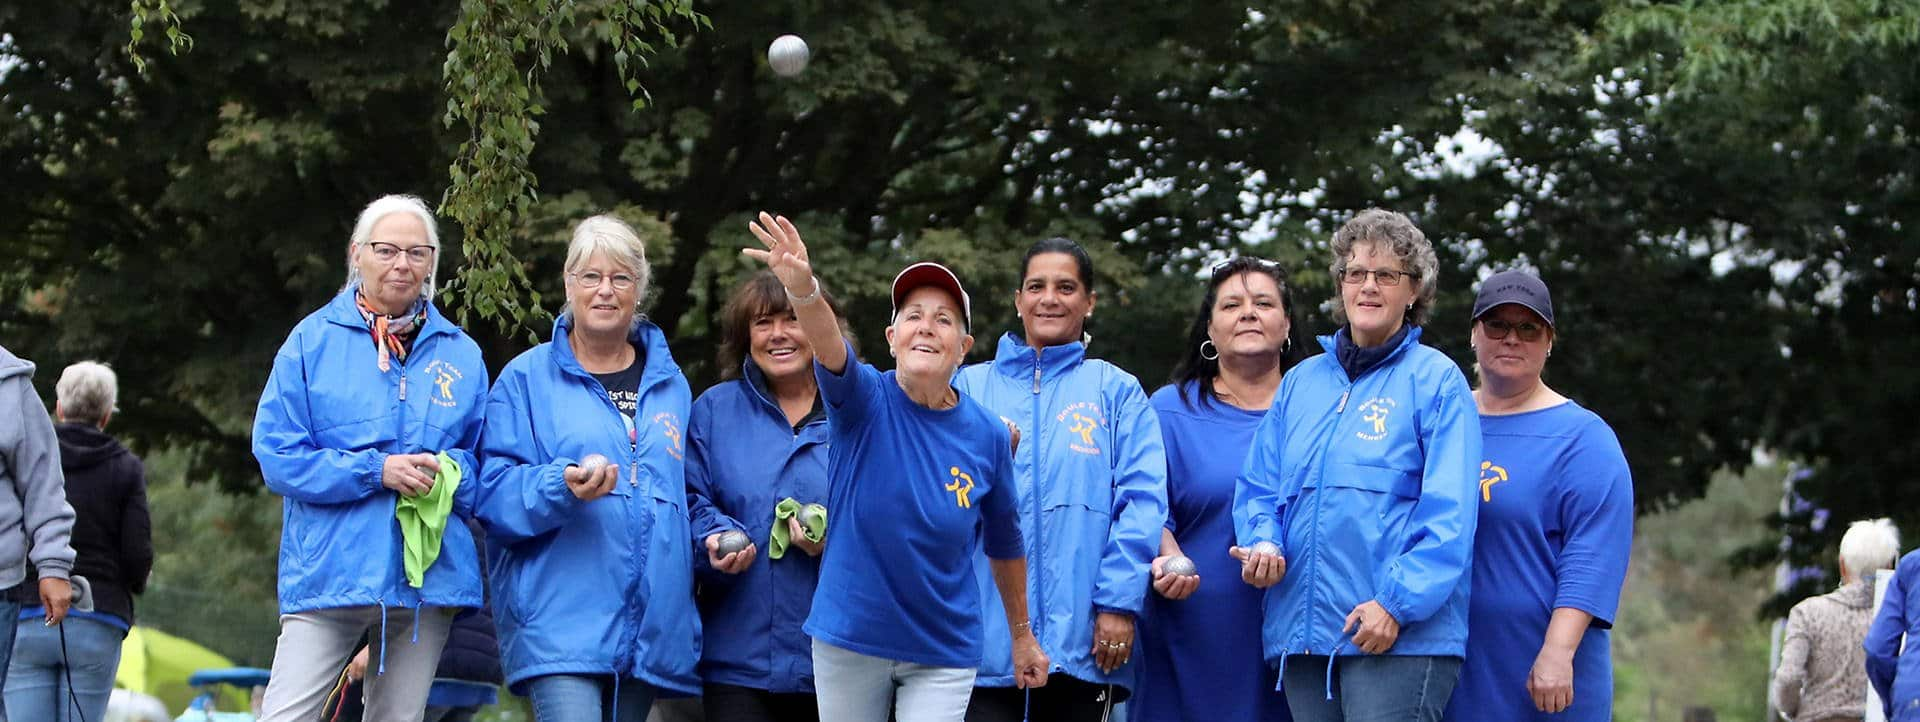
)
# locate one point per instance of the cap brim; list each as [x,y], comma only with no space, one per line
[927,273]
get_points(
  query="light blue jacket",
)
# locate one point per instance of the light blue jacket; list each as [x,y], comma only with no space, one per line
[744,458]
[1369,486]
[1092,471]
[327,421]
[589,587]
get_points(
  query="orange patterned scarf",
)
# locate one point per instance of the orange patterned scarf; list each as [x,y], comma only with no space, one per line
[391,333]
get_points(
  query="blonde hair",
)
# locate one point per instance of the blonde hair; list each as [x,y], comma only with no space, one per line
[619,242]
[87,392]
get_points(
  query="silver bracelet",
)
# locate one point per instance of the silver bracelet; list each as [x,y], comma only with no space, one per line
[806,300]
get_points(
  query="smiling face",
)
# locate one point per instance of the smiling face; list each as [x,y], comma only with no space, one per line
[599,304]
[778,345]
[390,276]
[1374,311]
[928,337]
[1248,319]
[1053,300]
[1511,358]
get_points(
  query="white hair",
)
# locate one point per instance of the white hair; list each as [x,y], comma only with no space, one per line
[1869,546]
[616,240]
[87,392]
[385,206]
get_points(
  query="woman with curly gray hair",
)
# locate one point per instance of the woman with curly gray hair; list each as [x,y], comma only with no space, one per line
[1362,477]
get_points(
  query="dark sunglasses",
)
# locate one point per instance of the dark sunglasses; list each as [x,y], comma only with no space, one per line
[1497,329]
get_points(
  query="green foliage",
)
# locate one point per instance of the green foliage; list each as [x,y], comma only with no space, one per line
[145,13]
[213,572]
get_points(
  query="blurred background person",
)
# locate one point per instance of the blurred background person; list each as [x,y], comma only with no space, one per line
[113,549]
[1091,477]
[1555,531]
[1200,658]
[1822,675]
[591,560]
[1362,478]
[367,395]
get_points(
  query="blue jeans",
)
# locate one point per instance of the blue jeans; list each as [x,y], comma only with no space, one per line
[853,687]
[9,623]
[1369,688]
[585,698]
[38,673]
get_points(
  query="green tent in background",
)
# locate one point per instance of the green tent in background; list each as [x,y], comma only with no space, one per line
[156,663]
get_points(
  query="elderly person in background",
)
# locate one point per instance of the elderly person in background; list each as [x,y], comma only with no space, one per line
[113,546]
[921,485]
[33,504]
[584,499]
[1358,497]
[1555,531]
[1822,673]
[374,403]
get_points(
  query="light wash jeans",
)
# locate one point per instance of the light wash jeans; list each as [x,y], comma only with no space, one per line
[584,698]
[37,675]
[1369,688]
[315,646]
[853,687]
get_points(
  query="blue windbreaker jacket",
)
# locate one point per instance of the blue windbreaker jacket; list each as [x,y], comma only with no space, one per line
[1369,487]
[743,458]
[1895,676]
[599,587]
[1092,471]
[327,421]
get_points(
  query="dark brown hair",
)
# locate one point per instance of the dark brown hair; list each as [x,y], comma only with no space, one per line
[761,294]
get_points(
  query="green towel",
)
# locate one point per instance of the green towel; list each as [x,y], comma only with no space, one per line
[423,521]
[787,509]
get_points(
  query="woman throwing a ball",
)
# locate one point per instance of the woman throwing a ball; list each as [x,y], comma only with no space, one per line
[584,497]
[920,481]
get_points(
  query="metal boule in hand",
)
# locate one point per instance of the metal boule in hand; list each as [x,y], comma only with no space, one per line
[732,541]
[1180,567]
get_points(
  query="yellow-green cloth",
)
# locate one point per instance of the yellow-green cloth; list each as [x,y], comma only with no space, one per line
[787,509]
[423,521]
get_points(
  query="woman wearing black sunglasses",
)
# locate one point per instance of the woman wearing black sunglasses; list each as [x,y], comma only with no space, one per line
[1556,527]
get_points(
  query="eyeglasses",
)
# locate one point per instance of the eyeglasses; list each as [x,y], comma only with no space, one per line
[593,279]
[388,251]
[1383,276]
[1497,329]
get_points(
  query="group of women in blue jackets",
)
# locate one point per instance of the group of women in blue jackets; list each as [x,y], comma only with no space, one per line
[1368,535]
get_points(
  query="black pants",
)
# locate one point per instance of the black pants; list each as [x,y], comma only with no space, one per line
[728,703]
[1064,699]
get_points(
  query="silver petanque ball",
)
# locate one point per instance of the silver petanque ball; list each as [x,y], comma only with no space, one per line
[811,514]
[732,541]
[1181,567]
[1266,547]
[593,463]
[788,55]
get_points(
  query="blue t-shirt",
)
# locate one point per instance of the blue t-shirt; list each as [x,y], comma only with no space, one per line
[916,493]
[1556,529]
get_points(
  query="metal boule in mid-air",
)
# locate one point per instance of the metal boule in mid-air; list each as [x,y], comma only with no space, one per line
[788,55]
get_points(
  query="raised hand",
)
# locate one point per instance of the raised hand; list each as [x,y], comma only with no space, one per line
[786,254]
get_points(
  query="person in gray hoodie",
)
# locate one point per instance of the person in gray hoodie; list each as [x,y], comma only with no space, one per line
[35,520]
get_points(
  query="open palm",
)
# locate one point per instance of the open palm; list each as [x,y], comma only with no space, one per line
[786,254]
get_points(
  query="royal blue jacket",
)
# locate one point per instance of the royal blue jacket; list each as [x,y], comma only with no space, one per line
[1092,480]
[327,421]
[1896,676]
[742,459]
[589,587]
[1369,486]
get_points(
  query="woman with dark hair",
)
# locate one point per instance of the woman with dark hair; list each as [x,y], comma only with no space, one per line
[1357,499]
[1200,640]
[1092,490]
[755,441]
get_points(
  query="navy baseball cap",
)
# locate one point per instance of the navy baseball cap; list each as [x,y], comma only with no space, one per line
[1518,287]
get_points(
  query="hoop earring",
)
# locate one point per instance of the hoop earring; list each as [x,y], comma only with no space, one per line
[1208,344]
[1285,345]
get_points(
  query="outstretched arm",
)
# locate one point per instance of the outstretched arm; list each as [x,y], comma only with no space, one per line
[786,256]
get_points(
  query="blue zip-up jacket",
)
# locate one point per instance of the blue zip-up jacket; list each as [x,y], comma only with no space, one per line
[589,587]
[327,421]
[1369,487]
[1896,676]
[1092,481]
[742,459]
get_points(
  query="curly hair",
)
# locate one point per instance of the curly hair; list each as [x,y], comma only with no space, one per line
[1394,233]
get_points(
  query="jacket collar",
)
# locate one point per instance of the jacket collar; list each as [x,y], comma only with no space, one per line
[644,334]
[344,311]
[756,381]
[1015,358]
[1331,344]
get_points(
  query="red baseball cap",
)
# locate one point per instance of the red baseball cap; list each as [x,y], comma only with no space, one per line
[928,273]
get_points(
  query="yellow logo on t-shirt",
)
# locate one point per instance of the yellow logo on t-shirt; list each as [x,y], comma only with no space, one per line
[961,487]
[1490,475]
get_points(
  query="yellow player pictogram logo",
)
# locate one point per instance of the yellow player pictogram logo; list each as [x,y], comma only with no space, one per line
[961,486]
[1084,427]
[1490,475]
[1375,412]
[444,376]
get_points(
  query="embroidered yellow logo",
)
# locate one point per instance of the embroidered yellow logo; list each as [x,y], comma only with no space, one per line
[961,486]
[444,376]
[670,428]
[1490,475]
[1082,419]
[1375,412]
